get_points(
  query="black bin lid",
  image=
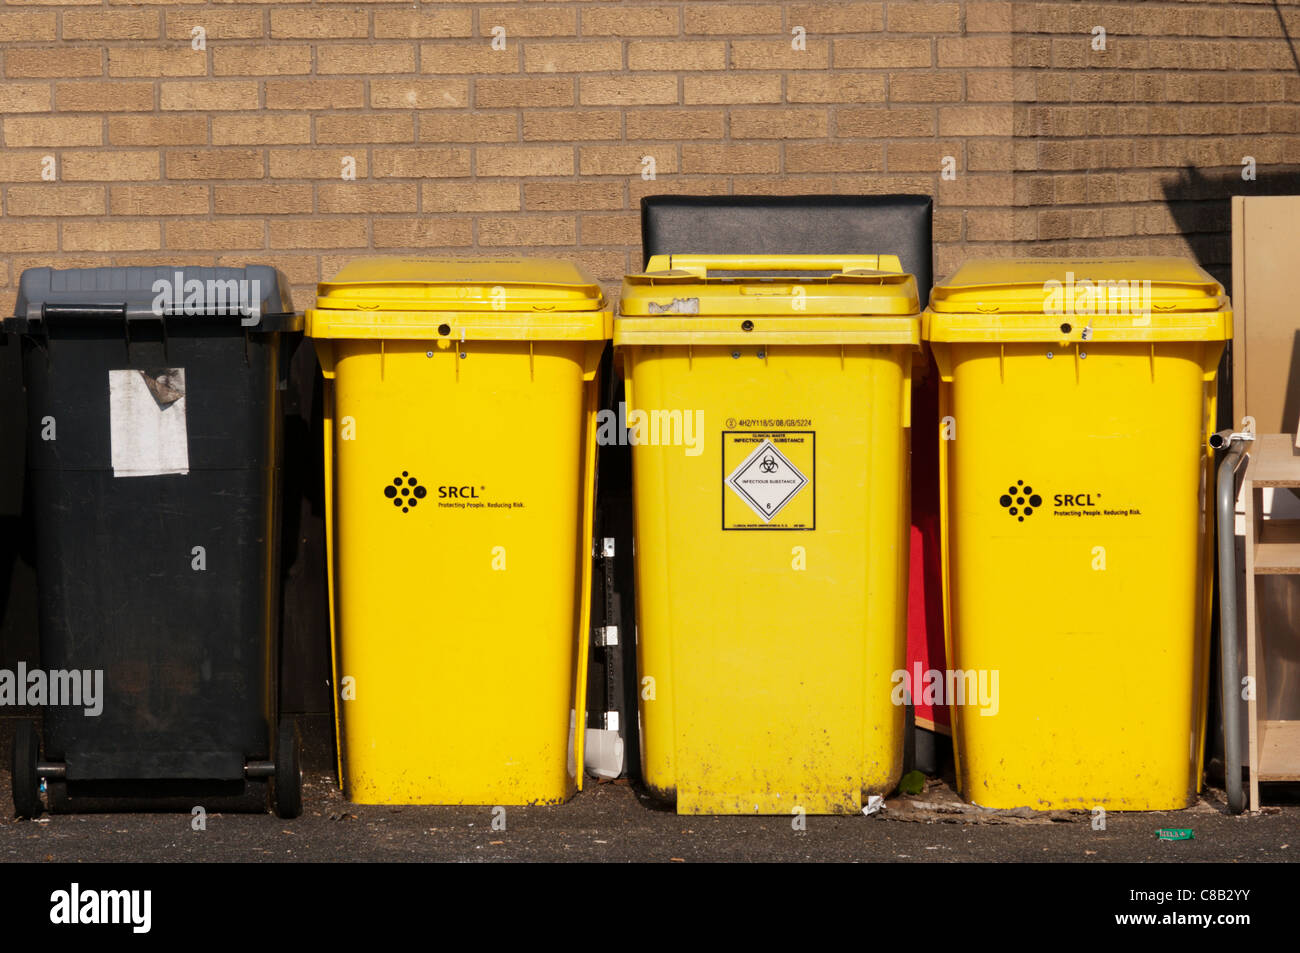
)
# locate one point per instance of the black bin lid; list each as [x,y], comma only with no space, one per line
[256,296]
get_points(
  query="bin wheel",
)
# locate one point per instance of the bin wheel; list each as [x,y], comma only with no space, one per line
[286,786]
[26,783]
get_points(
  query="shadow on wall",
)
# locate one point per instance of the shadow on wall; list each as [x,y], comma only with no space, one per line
[1201,206]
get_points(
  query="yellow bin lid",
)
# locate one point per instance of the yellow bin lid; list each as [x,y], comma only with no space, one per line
[464,298]
[1056,299]
[769,299]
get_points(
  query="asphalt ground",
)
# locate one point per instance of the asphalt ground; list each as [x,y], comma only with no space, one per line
[617,822]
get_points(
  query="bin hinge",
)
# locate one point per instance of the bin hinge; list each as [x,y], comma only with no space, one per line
[603,548]
[606,635]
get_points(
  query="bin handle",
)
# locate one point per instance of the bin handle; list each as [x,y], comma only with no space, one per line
[702,264]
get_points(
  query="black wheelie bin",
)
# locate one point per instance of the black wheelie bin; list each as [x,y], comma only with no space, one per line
[153,457]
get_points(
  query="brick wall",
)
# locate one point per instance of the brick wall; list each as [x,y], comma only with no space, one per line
[124,145]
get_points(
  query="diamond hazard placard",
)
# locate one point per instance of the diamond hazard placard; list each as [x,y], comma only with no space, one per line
[768,479]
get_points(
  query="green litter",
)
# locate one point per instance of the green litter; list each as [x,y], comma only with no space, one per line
[912,783]
[1175,833]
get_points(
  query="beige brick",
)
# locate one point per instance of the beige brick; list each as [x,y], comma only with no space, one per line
[984,86]
[422,24]
[719,90]
[365,129]
[316,163]
[224,235]
[473,127]
[151,62]
[676,124]
[975,120]
[475,57]
[927,87]
[61,62]
[103,97]
[730,159]
[622,229]
[732,19]
[214,164]
[924,156]
[676,55]
[43,200]
[419,93]
[882,54]
[157,130]
[411,233]
[622,20]
[838,17]
[111,236]
[279,59]
[474,196]
[490,93]
[523,160]
[158,199]
[586,56]
[779,124]
[361,198]
[110,25]
[235,24]
[569,125]
[262,199]
[358,58]
[315,93]
[876,122]
[836,87]
[208,95]
[116,166]
[51,132]
[528,230]
[563,196]
[626,160]
[332,232]
[989,17]
[24,98]
[777,54]
[260,129]
[975,51]
[821,157]
[29,27]
[627,90]
[319,23]
[528,22]
[421,163]
[923,17]
[28,236]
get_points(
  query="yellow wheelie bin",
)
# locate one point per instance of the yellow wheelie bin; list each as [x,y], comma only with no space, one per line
[1077,399]
[460,407]
[768,409]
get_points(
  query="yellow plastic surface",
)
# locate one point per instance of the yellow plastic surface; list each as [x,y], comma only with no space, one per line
[766,650]
[459,299]
[1093,610]
[460,623]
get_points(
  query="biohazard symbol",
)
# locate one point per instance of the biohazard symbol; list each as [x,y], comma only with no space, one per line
[768,465]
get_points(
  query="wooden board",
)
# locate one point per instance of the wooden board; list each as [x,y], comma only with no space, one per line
[1266,316]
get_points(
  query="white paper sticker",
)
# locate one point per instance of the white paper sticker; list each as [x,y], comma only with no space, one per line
[147,426]
[766,480]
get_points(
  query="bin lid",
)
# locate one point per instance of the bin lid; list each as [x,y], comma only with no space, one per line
[1114,299]
[481,298]
[257,296]
[790,299]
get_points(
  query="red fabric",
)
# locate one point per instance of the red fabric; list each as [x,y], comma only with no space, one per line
[925,580]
